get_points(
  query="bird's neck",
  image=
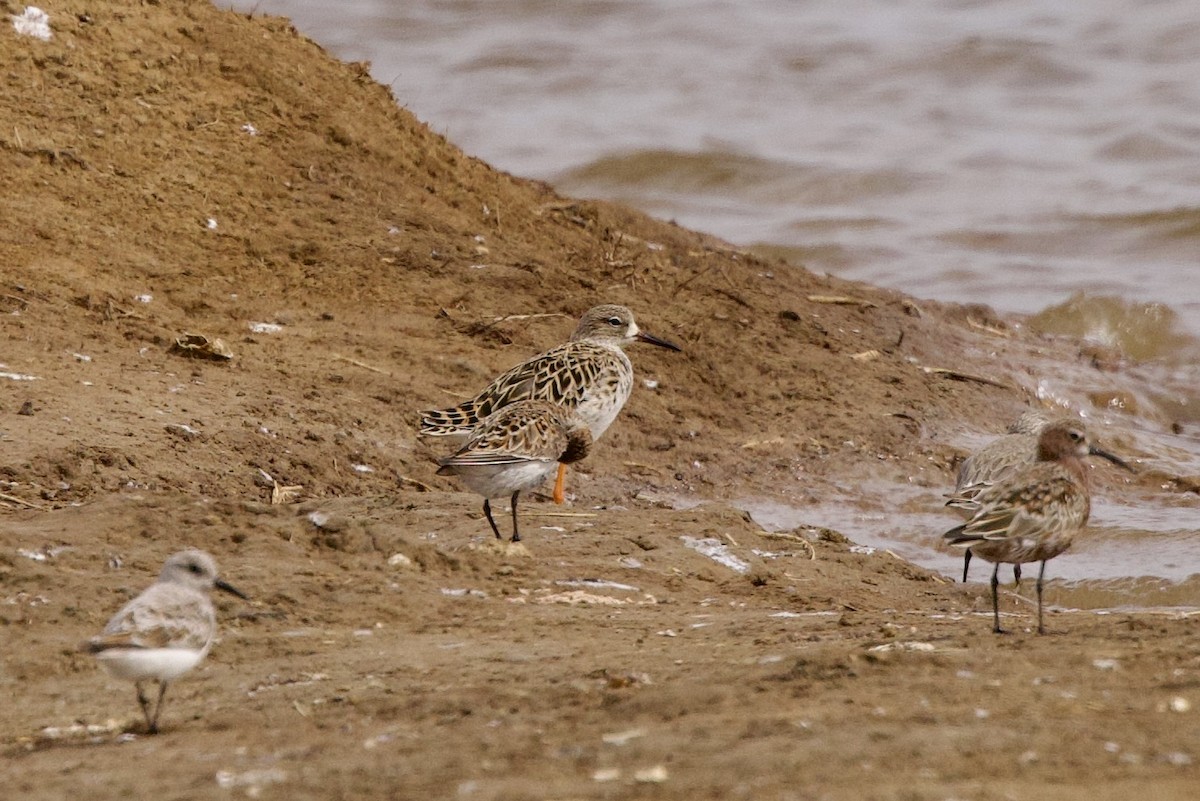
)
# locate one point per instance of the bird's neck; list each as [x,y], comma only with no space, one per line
[1076,467]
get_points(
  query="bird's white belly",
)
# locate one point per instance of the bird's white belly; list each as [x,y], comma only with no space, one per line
[598,409]
[493,481]
[142,664]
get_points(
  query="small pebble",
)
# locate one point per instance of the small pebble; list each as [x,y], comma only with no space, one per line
[652,775]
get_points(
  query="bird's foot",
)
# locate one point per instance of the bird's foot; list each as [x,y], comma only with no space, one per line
[506,548]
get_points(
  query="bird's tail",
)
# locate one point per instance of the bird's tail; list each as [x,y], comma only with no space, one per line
[962,504]
[959,536]
[966,498]
[449,422]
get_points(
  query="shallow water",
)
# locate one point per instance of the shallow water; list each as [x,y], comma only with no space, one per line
[1149,542]
[1033,155]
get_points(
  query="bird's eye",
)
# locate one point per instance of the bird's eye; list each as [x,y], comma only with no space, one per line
[195,568]
[1076,436]
[614,321]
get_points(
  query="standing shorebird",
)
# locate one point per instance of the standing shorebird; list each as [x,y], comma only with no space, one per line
[994,461]
[589,374]
[1034,513]
[164,632]
[517,448]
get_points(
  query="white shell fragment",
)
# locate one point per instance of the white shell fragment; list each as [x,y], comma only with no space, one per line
[717,551]
[266,328]
[33,22]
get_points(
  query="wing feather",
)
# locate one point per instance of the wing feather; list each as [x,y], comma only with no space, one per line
[1037,501]
[561,375]
[163,616]
[526,431]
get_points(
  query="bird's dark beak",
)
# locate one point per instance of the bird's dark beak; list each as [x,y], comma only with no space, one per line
[1112,457]
[650,339]
[229,588]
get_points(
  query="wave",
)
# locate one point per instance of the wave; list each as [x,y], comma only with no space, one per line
[747,177]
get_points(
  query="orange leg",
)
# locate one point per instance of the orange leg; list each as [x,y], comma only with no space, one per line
[559,492]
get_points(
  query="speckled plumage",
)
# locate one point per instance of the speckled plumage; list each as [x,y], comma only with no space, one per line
[1033,513]
[589,374]
[999,458]
[165,631]
[515,449]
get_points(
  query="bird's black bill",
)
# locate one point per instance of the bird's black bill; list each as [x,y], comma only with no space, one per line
[650,339]
[1112,457]
[229,588]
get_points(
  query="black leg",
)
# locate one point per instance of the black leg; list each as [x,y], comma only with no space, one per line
[1016,577]
[1041,574]
[144,703]
[162,691]
[966,564]
[516,534]
[487,510]
[996,599]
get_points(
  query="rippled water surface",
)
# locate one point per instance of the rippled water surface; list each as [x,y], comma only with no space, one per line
[1016,153]
[1012,152]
